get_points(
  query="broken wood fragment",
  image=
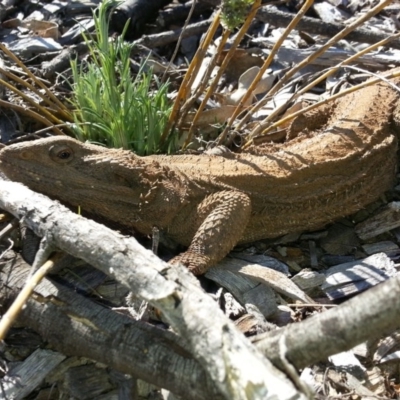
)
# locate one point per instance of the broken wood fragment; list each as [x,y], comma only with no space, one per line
[388,218]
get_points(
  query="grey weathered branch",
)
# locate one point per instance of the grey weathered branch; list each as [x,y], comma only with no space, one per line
[367,316]
[234,365]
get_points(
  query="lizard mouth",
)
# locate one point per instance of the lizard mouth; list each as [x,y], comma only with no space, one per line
[25,174]
[73,187]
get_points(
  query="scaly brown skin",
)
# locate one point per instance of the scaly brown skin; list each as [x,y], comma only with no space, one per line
[212,202]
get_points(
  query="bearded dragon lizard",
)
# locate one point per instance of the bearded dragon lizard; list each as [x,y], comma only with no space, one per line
[210,203]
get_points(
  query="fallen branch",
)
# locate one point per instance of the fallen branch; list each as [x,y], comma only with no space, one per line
[367,316]
[233,363]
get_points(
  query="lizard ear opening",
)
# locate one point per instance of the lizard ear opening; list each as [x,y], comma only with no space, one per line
[61,153]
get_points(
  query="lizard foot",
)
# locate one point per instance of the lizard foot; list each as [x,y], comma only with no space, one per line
[197,264]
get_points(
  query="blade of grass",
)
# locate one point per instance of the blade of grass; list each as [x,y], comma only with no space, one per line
[105,94]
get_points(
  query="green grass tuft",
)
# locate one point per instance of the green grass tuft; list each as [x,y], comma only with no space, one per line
[113,107]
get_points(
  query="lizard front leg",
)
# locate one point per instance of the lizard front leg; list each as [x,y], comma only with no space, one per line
[221,219]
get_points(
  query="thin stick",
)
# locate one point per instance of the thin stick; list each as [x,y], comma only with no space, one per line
[191,73]
[204,80]
[12,313]
[243,30]
[31,101]
[325,75]
[9,227]
[347,61]
[31,75]
[199,89]
[65,112]
[308,60]
[178,43]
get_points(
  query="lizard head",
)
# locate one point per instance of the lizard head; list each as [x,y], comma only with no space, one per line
[94,177]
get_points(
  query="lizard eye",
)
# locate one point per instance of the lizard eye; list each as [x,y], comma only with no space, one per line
[61,153]
[64,154]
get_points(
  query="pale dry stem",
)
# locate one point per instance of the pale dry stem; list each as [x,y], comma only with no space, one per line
[266,122]
[306,61]
[213,62]
[262,70]
[244,28]
[190,75]
[12,313]
[371,82]
[38,82]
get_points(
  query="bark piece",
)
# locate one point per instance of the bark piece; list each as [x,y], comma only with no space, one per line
[346,380]
[245,290]
[78,7]
[180,12]
[388,218]
[331,57]
[86,382]
[380,247]
[267,276]
[247,324]
[340,240]
[59,63]
[167,37]
[329,13]
[354,277]
[20,381]
[386,348]
[307,279]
